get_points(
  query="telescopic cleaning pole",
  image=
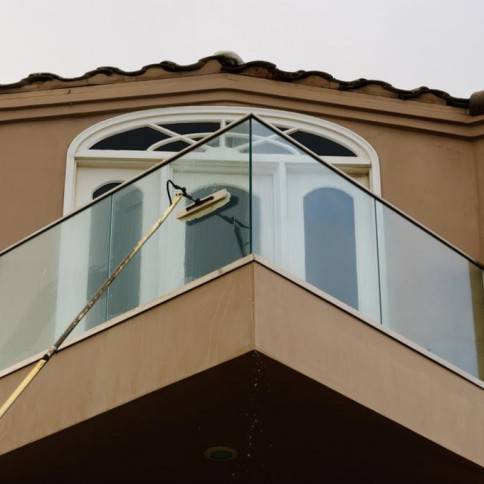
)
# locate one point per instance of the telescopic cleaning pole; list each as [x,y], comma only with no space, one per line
[99,293]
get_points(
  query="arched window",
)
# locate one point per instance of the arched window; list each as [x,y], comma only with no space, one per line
[123,146]
[306,213]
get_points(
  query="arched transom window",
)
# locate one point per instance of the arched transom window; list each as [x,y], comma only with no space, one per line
[122,147]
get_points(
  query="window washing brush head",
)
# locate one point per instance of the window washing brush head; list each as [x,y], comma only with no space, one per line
[204,206]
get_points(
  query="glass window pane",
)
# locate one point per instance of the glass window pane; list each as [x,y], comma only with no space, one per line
[173,146]
[321,146]
[330,243]
[135,139]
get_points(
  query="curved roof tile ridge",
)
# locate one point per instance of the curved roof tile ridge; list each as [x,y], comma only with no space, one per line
[230,64]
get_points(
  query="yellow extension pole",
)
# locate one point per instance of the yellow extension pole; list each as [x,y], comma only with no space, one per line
[20,388]
[99,293]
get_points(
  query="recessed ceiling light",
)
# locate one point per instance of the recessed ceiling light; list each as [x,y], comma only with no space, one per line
[221,454]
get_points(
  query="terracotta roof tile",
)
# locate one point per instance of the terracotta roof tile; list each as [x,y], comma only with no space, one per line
[229,64]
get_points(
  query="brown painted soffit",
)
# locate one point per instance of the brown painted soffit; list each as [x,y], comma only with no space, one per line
[231,65]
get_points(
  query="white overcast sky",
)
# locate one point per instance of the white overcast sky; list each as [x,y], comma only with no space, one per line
[409,43]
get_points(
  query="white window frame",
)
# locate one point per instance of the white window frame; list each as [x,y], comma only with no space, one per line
[80,155]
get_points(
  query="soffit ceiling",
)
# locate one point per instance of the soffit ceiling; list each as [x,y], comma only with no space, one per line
[283,426]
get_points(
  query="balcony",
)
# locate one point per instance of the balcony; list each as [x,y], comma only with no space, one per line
[297,220]
[292,210]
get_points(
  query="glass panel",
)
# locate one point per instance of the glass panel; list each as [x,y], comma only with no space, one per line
[325,230]
[237,138]
[45,281]
[430,294]
[314,223]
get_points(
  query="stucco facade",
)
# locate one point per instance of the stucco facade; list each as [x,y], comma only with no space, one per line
[430,153]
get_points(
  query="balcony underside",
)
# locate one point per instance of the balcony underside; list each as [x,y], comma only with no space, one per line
[215,366]
[282,424]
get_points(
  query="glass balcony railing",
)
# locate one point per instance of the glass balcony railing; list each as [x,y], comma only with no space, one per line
[287,206]
[342,239]
[45,281]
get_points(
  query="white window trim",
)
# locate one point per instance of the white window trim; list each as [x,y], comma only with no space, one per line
[79,154]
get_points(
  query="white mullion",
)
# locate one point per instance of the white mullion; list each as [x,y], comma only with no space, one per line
[164,142]
[117,155]
[171,133]
[288,131]
[349,161]
[223,142]
[282,217]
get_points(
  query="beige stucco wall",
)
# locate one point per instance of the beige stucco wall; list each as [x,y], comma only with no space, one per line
[478,146]
[428,153]
[32,172]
